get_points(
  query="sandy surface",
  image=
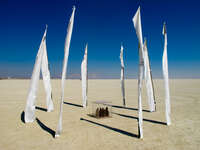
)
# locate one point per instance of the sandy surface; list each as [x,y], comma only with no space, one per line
[81,131]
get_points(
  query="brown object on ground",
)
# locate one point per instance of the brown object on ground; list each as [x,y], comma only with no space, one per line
[100,112]
[97,112]
[103,112]
[107,112]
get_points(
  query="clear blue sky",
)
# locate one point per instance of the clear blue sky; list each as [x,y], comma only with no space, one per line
[103,24]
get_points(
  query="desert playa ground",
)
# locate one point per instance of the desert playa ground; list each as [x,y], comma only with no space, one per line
[80,131]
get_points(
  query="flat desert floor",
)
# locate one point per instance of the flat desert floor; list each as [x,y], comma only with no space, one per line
[82,132]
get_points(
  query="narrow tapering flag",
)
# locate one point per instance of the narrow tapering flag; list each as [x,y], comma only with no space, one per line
[64,70]
[122,76]
[84,77]
[166,77]
[138,28]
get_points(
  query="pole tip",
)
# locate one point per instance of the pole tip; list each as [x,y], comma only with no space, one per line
[74,7]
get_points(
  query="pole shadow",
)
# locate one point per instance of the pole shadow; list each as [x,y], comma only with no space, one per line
[72,104]
[40,108]
[129,108]
[45,128]
[148,120]
[111,128]
[22,117]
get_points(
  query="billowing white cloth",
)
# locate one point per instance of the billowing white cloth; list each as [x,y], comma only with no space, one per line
[41,62]
[84,78]
[122,75]
[166,78]
[46,80]
[138,28]
[148,79]
[30,104]
[64,69]
[140,117]
[121,56]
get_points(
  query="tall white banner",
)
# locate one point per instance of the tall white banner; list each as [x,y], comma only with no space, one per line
[166,78]
[46,79]
[64,70]
[84,77]
[122,76]
[138,28]
[41,62]
[148,79]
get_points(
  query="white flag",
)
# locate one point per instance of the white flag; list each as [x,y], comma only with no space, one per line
[30,104]
[138,28]
[84,77]
[166,78]
[46,79]
[122,76]
[148,79]
[67,44]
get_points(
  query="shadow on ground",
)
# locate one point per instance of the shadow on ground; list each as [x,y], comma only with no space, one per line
[45,128]
[40,108]
[129,108]
[22,117]
[72,104]
[111,128]
[148,120]
[42,125]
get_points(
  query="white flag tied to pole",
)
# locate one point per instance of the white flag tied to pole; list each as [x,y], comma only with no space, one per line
[122,75]
[66,49]
[46,80]
[84,77]
[40,63]
[166,78]
[30,104]
[148,79]
[138,28]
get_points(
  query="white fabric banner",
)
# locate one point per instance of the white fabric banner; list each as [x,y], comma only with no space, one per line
[66,49]
[148,79]
[84,77]
[166,78]
[122,76]
[140,117]
[30,104]
[138,28]
[46,79]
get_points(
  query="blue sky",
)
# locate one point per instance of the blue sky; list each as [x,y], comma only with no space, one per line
[104,25]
